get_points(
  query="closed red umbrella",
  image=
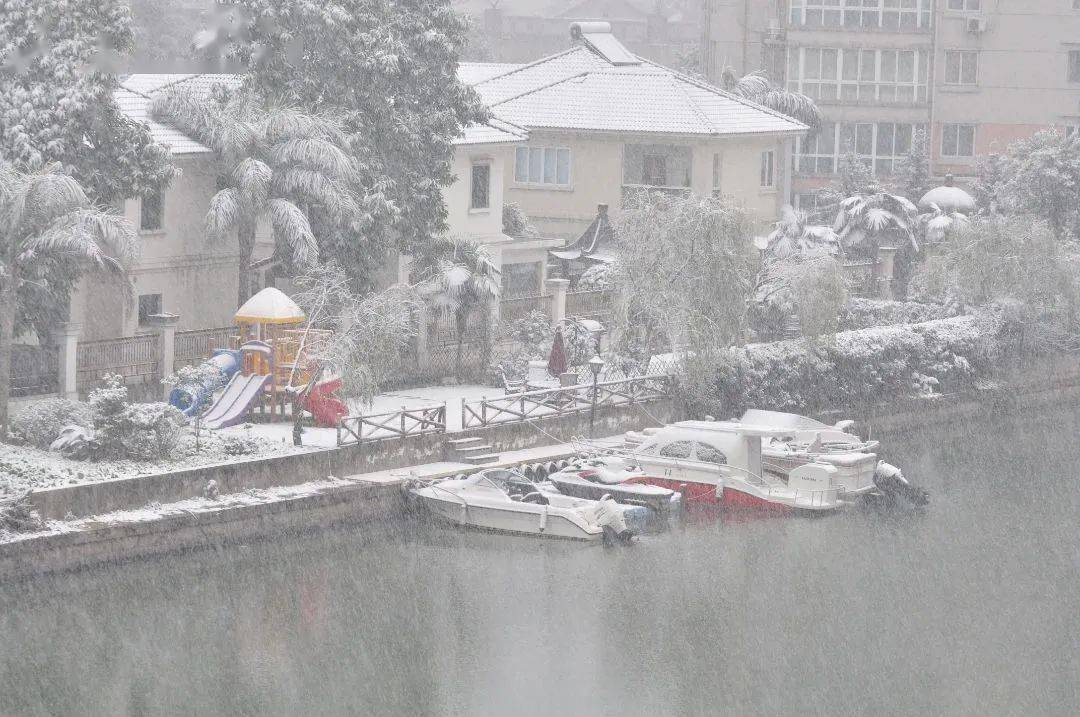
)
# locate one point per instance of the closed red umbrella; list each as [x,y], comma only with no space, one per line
[557,359]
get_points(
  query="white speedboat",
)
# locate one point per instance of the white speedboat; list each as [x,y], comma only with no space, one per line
[806,440]
[505,501]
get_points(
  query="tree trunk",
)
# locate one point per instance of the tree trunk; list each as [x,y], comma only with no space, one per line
[461,319]
[246,240]
[8,305]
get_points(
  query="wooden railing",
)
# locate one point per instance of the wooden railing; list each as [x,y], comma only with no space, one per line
[588,304]
[393,424]
[193,347]
[562,401]
[135,358]
[34,370]
[515,308]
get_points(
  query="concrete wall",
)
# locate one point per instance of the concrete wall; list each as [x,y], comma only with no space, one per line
[124,493]
[197,279]
[597,172]
[479,224]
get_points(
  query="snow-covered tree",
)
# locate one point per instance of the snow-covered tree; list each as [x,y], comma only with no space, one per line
[457,277]
[757,88]
[278,164]
[46,216]
[684,271]
[866,221]
[913,177]
[800,276]
[390,69]
[56,105]
[1042,177]
[367,332]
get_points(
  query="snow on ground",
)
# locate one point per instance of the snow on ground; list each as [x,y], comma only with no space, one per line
[24,468]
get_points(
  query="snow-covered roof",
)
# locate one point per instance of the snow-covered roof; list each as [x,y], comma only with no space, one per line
[472,72]
[136,92]
[595,86]
[495,131]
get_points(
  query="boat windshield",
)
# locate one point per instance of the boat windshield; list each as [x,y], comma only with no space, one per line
[506,481]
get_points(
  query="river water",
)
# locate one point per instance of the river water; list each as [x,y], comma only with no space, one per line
[970,608]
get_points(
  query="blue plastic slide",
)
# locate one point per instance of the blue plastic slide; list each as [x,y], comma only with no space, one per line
[190,397]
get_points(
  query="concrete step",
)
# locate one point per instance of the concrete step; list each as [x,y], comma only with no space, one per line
[463,442]
[481,459]
[473,450]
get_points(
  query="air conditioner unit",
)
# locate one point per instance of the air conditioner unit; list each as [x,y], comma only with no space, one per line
[977,25]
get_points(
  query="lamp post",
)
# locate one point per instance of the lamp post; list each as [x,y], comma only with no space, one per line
[596,365]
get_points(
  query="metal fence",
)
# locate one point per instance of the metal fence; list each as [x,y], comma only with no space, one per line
[520,306]
[589,304]
[392,424]
[135,358]
[34,370]
[193,347]
[562,401]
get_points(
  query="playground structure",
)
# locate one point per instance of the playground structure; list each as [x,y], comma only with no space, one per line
[268,366]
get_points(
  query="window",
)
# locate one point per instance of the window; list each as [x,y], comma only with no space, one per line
[542,165]
[958,140]
[481,186]
[717,173]
[1072,129]
[1074,65]
[149,304]
[707,454]
[880,145]
[961,67]
[851,75]
[965,5]
[678,449]
[657,165]
[151,211]
[901,15]
[768,169]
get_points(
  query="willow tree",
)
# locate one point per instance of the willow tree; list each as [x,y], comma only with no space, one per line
[684,272]
[278,164]
[46,216]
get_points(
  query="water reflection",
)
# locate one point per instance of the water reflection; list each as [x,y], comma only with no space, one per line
[970,608]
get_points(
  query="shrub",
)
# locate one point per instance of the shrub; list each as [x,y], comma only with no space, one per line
[41,422]
[240,445]
[147,431]
[860,313]
[858,367]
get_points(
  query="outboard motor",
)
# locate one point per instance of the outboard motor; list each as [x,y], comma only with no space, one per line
[609,516]
[892,484]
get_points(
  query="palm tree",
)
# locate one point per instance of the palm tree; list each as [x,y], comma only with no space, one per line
[278,164]
[46,217]
[457,277]
[757,88]
[937,223]
[865,219]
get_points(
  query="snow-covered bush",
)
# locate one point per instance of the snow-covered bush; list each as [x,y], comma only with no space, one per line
[41,422]
[233,444]
[514,365]
[595,278]
[856,368]
[533,332]
[859,313]
[145,431]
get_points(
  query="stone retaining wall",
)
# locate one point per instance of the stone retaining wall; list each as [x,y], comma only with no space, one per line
[124,493]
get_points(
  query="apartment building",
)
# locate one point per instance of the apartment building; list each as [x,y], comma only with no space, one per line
[975,74]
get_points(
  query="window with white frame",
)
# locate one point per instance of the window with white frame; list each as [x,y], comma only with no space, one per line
[961,67]
[879,145]
[851,75]
[958,140]
[480,194]
[657,165]
[1073,128]
[965,5]
[717,173]
[542,166]
[900,15]
[1074,66]
[768,169]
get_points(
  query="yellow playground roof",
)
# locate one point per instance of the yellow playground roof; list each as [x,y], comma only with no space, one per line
[269,306]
